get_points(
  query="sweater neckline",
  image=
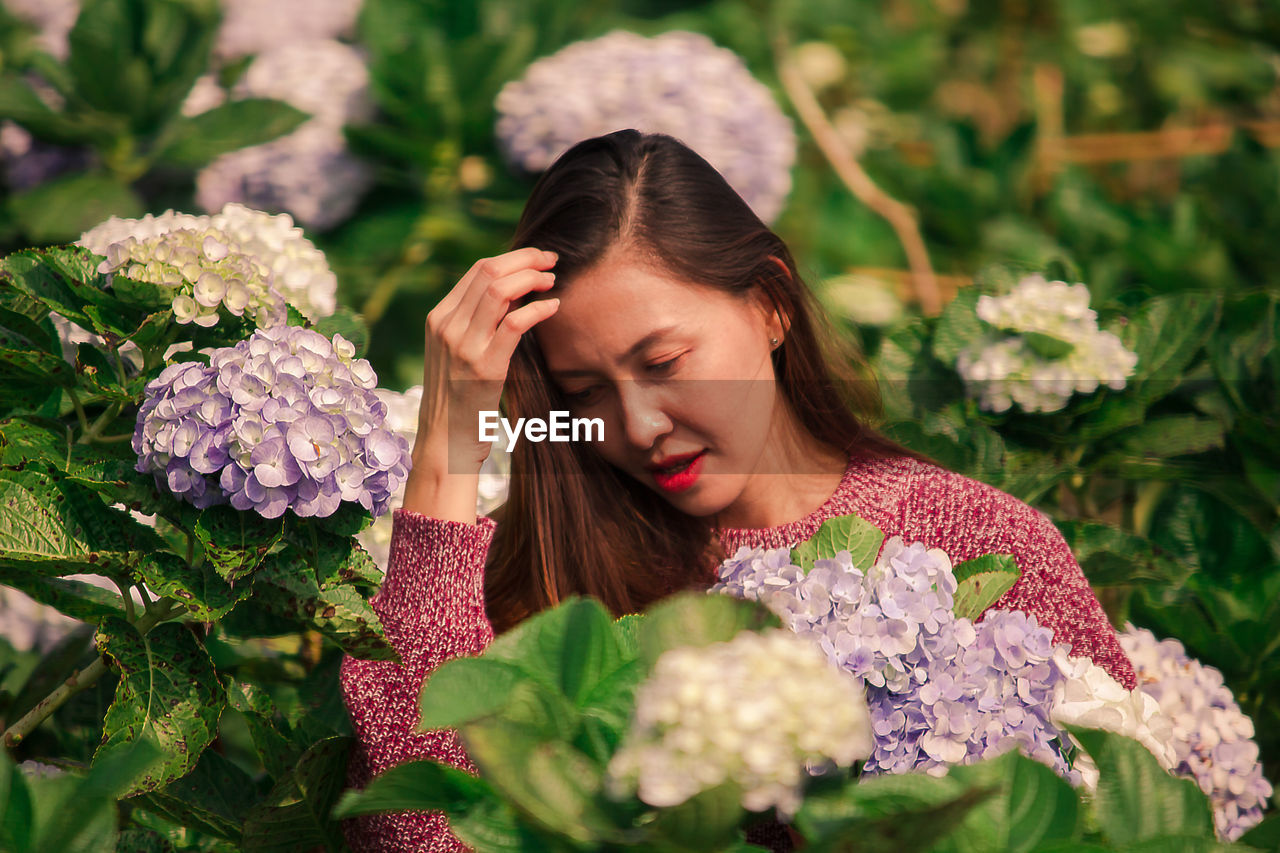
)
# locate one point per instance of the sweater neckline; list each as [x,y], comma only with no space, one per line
[800,528]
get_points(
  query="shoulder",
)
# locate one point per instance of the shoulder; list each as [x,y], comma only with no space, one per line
[966,517]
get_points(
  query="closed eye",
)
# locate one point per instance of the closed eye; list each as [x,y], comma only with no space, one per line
[664,367]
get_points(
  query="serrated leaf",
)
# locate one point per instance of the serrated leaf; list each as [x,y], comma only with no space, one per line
[860,538]
[981,581]
[1110,556]
[295,816]
[236,542]
[205,594]
[287,587]
[214,798]
[1166,333]
[198,140]
[1172,436]
[706,821]
[168,692]
[1137,799]
[1030,806]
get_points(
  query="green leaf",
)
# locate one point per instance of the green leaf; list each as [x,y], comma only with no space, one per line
[286,586]
[168,692]
[273,745]
[860,538]
[981,581]
[1264,836]
[1112,557]
[626,630]
[198,140]
[91,798]
[1166,333]
[910,813]
[205,594]
[214,798]
[295,817]
[60,210]
[1047,346]
[1174,435]
[236,542]
[416,785]
[958,326]
[466,689]
[347,323]
[1032,806]
[697,619]
[74,598]
[1137,799]
[551,783]
[707,821]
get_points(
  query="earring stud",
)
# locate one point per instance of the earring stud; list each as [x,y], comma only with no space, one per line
[773,343]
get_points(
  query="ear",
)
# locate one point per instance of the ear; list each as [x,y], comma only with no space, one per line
[777,317]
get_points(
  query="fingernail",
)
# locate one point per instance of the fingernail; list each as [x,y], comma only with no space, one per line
[550,254]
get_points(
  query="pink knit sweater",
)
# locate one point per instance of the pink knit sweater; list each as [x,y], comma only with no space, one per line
[432,607]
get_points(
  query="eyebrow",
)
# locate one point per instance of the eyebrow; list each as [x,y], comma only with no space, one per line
[639,345]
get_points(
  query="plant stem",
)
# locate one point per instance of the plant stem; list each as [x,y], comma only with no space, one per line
[55,700]
[850,171]
[75,401]
[130,613]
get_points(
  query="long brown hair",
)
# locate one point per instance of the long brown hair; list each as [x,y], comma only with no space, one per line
[574,524]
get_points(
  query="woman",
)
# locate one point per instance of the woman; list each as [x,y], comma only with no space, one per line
[643,291]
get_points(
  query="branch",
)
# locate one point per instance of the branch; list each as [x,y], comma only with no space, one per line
[846,166]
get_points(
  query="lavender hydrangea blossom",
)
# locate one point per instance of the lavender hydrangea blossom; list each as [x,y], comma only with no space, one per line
[286,419]
[680,83]
[1212,738]
[941,689]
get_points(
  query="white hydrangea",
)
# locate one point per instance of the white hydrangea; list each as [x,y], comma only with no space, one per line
[761,710]
[678,83]
[1003,368]
[299,270]
[402,417]
[1089,697]
[308,173]
[1212,738]
[205,271]
[257,26]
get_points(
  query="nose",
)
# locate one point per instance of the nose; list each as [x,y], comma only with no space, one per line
[644,418]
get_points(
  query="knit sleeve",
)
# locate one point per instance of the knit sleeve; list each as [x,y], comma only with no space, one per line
[432,607]
[966,518]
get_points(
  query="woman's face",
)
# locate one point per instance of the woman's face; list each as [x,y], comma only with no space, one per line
[672,368]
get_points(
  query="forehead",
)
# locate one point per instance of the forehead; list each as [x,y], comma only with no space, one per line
[605,310]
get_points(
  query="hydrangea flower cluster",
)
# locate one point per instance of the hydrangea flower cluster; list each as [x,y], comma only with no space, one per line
[1212,738]
[204,270]
[1006,368]
[1087,696]
[402,417]
[941,689]
[759,710]
[251,27]
[678,83]
[298,270]
[308,173]
[285,419]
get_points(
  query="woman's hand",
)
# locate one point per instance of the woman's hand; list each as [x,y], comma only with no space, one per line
[471,335]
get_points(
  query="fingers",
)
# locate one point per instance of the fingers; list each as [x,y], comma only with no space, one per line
[516,323]
[465,294]
[493,305]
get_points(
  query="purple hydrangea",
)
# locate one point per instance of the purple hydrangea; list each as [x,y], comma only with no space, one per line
[285,419]
[942,690]
[1212,738]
